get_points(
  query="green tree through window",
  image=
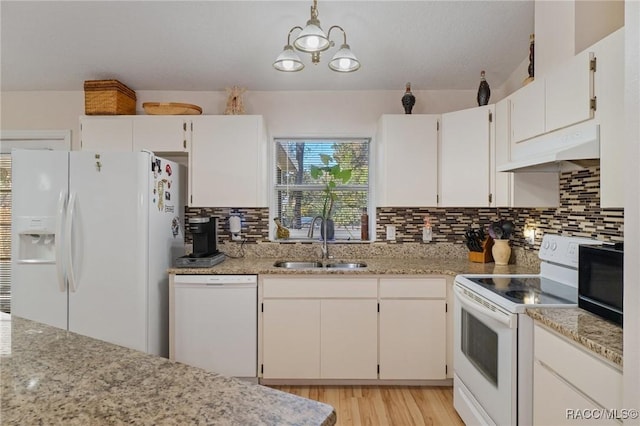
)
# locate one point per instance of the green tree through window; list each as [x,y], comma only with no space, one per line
[299,198]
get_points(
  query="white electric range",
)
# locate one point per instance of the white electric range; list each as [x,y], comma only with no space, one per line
[493,337]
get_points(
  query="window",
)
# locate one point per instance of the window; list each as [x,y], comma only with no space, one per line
[300,199]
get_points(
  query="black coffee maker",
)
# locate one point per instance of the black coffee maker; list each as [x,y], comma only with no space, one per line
[205,236]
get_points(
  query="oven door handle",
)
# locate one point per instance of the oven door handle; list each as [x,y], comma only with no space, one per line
[477,307]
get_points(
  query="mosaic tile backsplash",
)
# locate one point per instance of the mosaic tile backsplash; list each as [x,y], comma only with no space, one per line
[579,215]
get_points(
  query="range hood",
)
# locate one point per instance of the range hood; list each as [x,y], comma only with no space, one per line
[567,149]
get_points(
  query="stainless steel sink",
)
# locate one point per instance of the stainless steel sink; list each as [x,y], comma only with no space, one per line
[346,265]
[314,265]
[298,265]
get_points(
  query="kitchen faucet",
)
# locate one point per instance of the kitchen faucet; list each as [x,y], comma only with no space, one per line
[323,223]
[313,224]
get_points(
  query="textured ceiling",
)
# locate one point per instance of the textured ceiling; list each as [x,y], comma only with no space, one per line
[210,45]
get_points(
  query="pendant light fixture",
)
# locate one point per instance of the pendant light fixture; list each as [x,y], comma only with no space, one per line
[313,40]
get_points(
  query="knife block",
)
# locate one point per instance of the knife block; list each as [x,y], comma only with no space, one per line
[485,255]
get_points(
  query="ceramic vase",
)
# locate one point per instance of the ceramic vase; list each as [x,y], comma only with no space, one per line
[330,230]
[408,100]
[484,92]
[501,251]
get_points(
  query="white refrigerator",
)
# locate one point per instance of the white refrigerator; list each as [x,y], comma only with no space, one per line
[93,235]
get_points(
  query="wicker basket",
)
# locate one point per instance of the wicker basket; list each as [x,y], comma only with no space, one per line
[108,97]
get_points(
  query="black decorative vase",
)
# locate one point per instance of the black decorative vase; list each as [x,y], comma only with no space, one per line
[484,93]
[531,67]
[330,230]
[408,100]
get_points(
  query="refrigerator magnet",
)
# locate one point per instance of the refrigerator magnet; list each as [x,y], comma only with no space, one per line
[167,169]
[167,195]
[160,192]
[175,226]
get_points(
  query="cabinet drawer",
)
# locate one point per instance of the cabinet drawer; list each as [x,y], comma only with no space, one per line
[594,377]
[413,287]
[321,287]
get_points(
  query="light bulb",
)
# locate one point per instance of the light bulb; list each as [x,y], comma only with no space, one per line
[288,65]
[313,42]
[344,63]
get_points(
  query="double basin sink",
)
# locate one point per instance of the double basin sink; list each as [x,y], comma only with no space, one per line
[319,265]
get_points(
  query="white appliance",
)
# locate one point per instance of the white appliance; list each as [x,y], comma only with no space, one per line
[215,325]
[493,336]
[93,235]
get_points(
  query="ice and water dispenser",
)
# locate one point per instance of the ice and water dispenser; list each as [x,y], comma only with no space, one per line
[36,239]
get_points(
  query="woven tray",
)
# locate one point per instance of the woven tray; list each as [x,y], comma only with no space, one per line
[171,108]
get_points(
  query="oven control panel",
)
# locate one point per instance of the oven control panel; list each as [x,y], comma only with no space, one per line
[562,250]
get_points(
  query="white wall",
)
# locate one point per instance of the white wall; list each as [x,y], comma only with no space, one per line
[48,110]
[632,211]
[292,113]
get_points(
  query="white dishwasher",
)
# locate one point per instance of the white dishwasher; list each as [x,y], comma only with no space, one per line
[216,323]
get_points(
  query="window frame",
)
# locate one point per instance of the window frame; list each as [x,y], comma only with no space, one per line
[274,186]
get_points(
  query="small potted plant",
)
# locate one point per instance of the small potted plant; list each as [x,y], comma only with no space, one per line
[330,174]
[501,231]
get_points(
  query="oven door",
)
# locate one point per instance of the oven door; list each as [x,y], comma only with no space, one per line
[485,360]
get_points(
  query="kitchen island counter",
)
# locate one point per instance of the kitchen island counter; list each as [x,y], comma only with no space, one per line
[51,376]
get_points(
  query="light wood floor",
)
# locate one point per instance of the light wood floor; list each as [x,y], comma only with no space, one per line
[384,405]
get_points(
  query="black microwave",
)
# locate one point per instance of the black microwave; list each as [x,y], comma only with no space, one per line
[600,280]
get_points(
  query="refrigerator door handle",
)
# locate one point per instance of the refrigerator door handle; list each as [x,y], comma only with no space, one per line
[60,256]
[68,228]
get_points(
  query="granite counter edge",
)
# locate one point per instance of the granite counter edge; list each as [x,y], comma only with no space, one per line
[608,353]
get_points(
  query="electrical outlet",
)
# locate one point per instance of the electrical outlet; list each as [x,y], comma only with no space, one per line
[530,235]
[391,233]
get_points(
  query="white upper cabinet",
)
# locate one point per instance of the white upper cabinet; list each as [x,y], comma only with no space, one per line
[106,133]
[407,160]
[161,133]
[518,189]
[560,99]
[563,28]
[609,82]
[568,93]
[527,111]
[465,157]
[166,133]
[227,161]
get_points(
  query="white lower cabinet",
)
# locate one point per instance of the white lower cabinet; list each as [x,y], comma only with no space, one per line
[412,336]
[345,328]
[413,329]
[553,397]
[572,385]
[291,332]
[319,328]
[349,339]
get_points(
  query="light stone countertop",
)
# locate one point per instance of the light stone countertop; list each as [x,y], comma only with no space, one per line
[594,333]
[51,376]
[375,266]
